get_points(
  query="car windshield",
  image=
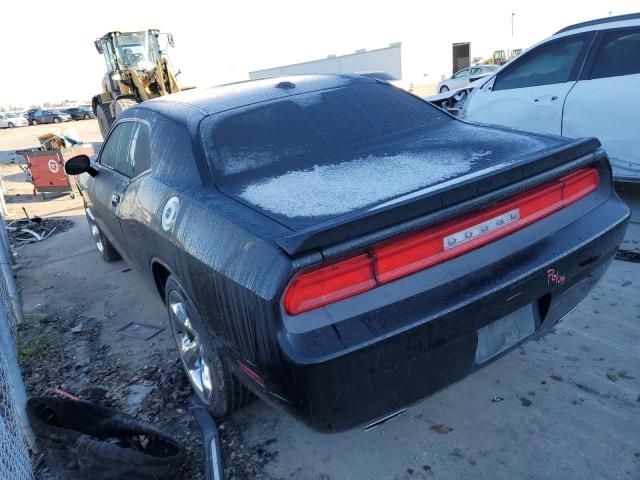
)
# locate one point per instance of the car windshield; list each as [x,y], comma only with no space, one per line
[314,128]
[137,50]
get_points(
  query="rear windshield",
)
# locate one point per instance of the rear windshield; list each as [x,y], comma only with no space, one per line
[313,128]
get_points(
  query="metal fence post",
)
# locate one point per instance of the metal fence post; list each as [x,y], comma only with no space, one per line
[18,391]
[15,430]
[3,204]
[7,271]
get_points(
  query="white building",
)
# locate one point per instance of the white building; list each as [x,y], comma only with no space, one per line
[388,59]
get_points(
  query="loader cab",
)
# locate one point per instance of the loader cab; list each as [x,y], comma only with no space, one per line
[130,51]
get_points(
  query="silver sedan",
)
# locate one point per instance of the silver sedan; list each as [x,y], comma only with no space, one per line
[464,77]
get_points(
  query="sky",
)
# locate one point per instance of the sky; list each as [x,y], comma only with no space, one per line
[47,52]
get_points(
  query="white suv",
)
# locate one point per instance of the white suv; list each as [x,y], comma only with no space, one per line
[584,81]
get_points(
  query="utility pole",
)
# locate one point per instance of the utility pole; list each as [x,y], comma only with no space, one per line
[512,15]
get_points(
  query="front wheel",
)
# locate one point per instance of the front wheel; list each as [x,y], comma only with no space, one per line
[56,120]
[86,117]
[444,88]
[208,373]
[11,125]
[105,249]
[34,122]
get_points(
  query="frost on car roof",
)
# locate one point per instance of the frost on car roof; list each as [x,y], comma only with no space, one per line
[224,97]
[306,158]
[343,187]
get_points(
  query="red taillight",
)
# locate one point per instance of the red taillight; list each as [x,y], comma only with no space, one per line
[400,257]
[329,284]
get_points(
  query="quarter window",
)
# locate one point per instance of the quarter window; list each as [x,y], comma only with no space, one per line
[546,65]
[619,54]
[140,150]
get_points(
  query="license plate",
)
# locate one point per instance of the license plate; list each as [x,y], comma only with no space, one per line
[505,332]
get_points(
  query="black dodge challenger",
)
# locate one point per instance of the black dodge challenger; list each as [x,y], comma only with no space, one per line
[340,247]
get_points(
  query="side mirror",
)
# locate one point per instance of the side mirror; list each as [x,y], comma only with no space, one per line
[171,40]
[98,45]
[79,164]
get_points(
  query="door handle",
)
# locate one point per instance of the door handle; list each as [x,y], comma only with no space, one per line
[553,99]
[115,200]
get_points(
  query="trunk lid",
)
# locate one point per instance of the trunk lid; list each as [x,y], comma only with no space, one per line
[372,187]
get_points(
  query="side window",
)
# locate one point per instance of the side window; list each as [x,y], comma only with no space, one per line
[548,64]
[140,151]
[115,153]
[462,73]
[619,54]
[475,71]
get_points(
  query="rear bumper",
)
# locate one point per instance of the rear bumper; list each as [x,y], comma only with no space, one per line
[409,345]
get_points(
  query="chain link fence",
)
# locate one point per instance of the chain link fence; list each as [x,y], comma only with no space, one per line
[15,463]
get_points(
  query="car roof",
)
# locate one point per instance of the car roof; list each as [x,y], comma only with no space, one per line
[603,23]
[217,99]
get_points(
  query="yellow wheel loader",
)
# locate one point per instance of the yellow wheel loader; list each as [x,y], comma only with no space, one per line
[137,70]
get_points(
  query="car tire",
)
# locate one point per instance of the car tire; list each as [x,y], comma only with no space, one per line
[104,246]
[11,125]
[56,120]
[86,117]
[209,374]
[443,89]
[105,118]
[34,122]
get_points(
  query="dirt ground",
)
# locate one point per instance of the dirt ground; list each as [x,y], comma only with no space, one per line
[566,406]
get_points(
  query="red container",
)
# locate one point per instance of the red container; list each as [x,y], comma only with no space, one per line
[47,172]
[46,168]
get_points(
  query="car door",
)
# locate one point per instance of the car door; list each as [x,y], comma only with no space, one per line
[605,103]
[530,92]
[108,187]
[134,217]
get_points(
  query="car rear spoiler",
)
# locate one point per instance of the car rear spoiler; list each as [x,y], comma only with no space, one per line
[549,164]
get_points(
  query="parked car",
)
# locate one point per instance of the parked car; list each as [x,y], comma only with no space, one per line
[36,117]
[80,113]
[10,120]
[466,76]
[341,247]
[582,81]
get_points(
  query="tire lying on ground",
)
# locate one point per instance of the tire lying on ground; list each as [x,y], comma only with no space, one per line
[106,444]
